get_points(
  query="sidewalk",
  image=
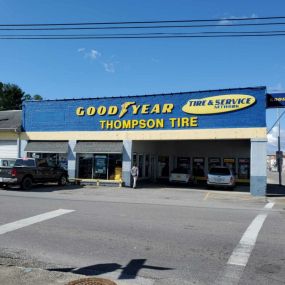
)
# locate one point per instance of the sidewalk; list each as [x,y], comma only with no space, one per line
[166,196]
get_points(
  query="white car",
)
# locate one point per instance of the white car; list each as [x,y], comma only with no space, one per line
[180,175]
[221,176]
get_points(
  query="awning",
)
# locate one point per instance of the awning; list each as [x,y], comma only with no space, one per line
[99,147]
[47,147]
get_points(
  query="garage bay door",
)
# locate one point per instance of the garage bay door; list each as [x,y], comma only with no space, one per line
[8,149]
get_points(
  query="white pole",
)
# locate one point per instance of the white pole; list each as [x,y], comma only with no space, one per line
[279,150]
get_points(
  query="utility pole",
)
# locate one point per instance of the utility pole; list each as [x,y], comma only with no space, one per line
[279,153]
[279,156]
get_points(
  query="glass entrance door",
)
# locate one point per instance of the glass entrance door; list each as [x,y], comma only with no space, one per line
[85,166]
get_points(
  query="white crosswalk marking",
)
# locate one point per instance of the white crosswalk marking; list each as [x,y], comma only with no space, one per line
[241,254]
[32,220]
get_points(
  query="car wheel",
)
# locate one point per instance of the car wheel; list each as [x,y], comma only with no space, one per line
[27,183]
[62,180]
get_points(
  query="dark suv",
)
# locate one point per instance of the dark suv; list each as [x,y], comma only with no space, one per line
[27,171]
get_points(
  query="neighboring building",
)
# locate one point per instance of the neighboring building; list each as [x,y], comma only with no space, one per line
[10,130]
[272,164]
[103,137]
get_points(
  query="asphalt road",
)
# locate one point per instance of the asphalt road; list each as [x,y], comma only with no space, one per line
[162,236]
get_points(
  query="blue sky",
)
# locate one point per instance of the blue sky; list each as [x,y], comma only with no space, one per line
[89,68]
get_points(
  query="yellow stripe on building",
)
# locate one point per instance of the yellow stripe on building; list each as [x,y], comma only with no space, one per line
[200,134]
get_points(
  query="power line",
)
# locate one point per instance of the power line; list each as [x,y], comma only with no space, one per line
[146,22]
[145,34]
[143,27]
[141,37]
[278,119]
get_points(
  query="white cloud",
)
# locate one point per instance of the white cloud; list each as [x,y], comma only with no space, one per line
[230,19]
[109,67]
[272,137]
[93,54]
[225,22]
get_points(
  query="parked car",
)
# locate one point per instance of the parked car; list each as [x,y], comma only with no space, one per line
[221,176]
[28,171]
[180,175]
[6,165]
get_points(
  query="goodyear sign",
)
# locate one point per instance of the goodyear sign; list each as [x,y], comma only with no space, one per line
[276,100]
[237,108]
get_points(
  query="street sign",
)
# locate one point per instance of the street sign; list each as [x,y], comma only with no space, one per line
[275,100]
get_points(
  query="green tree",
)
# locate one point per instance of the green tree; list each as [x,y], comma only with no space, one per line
[30,97]
[37,97]
[27,97]
[12,96]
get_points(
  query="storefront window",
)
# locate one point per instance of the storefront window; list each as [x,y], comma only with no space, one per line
[52,158]
[243,168]
[198,166]
[100,166]
[163,166]
[213,162]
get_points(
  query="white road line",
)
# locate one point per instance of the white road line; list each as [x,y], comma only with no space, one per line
[243,250]
[240,256]
[32,220]
[269,205]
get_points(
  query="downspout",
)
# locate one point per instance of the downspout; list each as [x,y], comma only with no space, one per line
[18,132]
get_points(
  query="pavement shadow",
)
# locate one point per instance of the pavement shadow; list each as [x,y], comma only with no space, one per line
[130,271]
[275,190]
[43,188]
[201,185]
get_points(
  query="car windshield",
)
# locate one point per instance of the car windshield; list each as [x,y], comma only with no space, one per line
[25,162]
[181,170]
[8,162]
[220,171]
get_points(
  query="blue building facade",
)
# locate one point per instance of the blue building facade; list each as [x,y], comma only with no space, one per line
[112,133]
